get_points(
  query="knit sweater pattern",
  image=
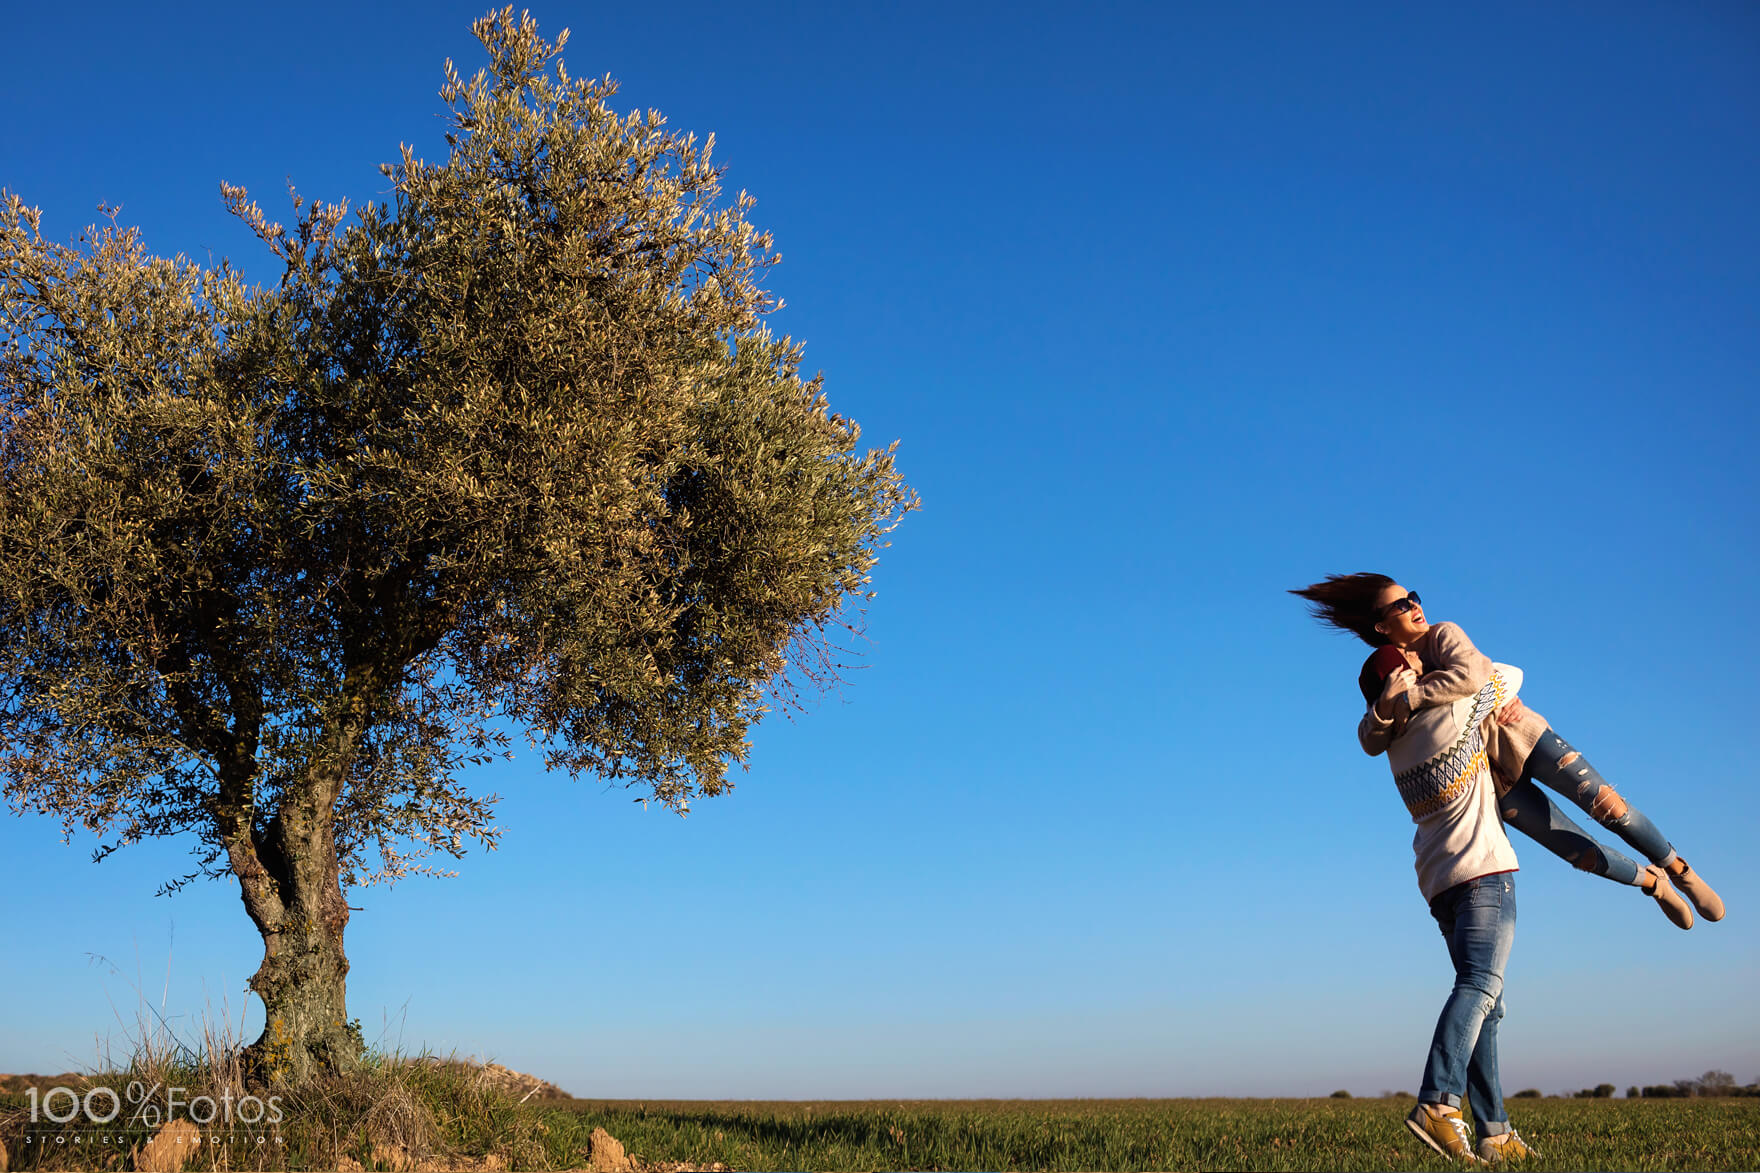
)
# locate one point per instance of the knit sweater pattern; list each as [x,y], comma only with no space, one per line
[1437,782]
[1441,766]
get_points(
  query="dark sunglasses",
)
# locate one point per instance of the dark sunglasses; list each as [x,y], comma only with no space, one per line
[1401,606]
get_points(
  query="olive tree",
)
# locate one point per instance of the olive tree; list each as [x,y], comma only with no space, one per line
[510,449]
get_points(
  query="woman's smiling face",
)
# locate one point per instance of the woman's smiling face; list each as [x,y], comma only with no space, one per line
[1401,615]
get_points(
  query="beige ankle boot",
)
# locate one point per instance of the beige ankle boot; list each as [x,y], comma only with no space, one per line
[1708,903]
[1653,881]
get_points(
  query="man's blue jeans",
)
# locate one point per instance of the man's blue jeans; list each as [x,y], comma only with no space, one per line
[1478,920]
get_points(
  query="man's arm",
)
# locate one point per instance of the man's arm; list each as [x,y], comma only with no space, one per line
[1386,718]
[1374,734]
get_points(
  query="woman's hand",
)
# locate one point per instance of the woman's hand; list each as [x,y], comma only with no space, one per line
[1395,686]
[1512,711]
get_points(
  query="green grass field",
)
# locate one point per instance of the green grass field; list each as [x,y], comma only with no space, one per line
[1162,1134]
[402,1118]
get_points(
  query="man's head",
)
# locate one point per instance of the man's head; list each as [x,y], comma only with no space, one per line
[1382,662]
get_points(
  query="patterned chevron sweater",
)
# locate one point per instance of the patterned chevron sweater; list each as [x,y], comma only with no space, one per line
[1440,767]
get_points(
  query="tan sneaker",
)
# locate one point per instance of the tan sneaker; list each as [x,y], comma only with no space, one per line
[1673,907]
[1708,903]
[1442,1128]
[1507,1147]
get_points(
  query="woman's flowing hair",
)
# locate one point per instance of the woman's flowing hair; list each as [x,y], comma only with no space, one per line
[1347,602]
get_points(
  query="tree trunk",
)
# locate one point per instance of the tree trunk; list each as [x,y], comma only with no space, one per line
[302,981]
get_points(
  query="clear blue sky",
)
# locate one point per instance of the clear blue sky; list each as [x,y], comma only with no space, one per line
[1173,307]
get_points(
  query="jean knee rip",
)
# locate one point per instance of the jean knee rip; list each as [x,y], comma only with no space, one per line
[1608,806]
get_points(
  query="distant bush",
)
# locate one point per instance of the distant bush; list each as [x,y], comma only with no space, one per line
[1527,1093]
[1340,1094]
[1601,1091]
[1633,1093]
[1752,1089]
[1712,1083]
[1684,1088]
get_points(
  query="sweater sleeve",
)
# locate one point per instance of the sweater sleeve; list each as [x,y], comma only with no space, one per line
[1374,734]
[1461,669]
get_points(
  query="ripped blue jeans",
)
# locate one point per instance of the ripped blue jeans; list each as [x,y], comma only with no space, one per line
[1478,920]
[1555,764]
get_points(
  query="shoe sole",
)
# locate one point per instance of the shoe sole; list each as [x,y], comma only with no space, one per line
[1418,1132]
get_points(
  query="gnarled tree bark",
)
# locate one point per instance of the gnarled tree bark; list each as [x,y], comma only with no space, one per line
[291,884]
[303,977]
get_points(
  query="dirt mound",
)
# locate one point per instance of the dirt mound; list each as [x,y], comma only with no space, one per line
[170,1149]
[519,1085]
[16,1084]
